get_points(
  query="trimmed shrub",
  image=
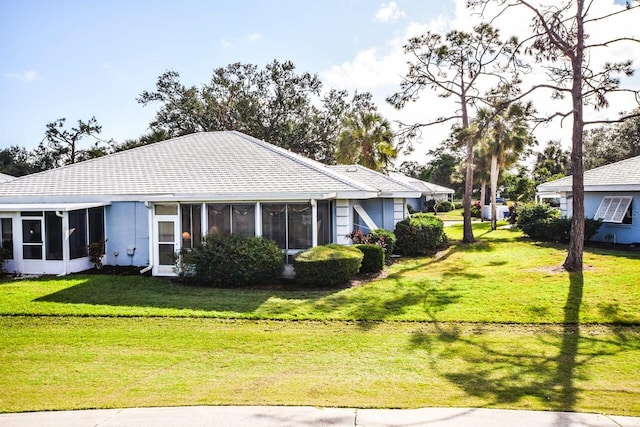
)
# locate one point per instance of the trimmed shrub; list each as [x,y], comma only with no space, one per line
[529,215]
[231,261]
[373,260]
[420,234]
[384,238]
[327,265]
[542,222]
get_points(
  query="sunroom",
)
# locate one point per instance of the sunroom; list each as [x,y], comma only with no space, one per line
[293,225]
[50,238]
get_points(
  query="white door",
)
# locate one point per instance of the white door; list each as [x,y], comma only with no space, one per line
[166,236]
[32,245]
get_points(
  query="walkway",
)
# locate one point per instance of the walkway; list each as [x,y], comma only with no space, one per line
[272,416]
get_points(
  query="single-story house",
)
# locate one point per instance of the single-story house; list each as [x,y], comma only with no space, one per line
[428,190]
[611,193]
[149,202]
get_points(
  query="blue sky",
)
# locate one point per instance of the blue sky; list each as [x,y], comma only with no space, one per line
[78,59]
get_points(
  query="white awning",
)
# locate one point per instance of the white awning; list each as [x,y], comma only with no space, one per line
[61,207]
[613,209]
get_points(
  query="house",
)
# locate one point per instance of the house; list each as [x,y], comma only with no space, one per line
[611,193]
[429,191]
[151,201]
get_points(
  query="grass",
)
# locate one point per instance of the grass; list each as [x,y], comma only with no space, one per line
[500,279]
[452,215]
[484,325]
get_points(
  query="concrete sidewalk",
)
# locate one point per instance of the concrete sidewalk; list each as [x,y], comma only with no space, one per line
[270,416]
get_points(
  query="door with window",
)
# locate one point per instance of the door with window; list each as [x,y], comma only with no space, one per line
[166,232]
[32,243]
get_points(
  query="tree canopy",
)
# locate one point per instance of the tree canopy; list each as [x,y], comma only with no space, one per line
[276,104]
[612,143]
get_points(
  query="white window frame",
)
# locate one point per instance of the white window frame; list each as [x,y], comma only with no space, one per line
[613,208]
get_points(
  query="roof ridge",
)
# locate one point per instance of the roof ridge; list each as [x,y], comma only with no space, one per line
[310,163]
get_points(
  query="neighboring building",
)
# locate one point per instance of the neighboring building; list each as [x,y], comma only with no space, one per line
[428,190]
[611,193]
[151,201]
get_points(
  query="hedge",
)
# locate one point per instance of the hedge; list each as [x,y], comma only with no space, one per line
[231,261]
[420,234]
[373,260]
[327,265]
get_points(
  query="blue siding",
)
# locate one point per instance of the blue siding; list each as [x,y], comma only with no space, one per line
[624,233]
[417,204]
[380,211]
[127,225]
[388,223]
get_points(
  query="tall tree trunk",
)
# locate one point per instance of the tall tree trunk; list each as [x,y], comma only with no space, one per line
[573,262]
[483,195]
[494,189]
[467,236]
[467,229]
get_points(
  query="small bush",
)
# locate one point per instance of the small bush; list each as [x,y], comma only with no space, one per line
[232,261]
[542,222]
[327,265]
[373,260]
[97,252]
[420,234]
[381,237]
[385,239]
[457,205]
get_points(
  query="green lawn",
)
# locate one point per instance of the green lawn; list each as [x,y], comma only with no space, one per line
[499,279]
[492,324]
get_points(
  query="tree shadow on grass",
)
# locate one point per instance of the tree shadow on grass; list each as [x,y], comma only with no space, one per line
[512,372]
[155,293]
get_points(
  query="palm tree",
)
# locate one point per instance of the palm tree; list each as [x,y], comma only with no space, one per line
[366,140]
[507,134]
[481,164]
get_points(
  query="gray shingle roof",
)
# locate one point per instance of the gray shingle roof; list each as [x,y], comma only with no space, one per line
[5,177]
[385,183]
[425,187]
[620,176]
[209,164]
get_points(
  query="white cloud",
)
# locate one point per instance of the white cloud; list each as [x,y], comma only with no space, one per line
[389,12]
[254,37]
[24,76]
[226,44]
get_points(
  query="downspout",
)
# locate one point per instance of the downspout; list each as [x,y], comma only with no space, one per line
[150,266]
[65,245]
[314,223]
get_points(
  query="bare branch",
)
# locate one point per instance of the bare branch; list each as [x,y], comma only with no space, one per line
[608,42]
[611,121]
[600,18]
